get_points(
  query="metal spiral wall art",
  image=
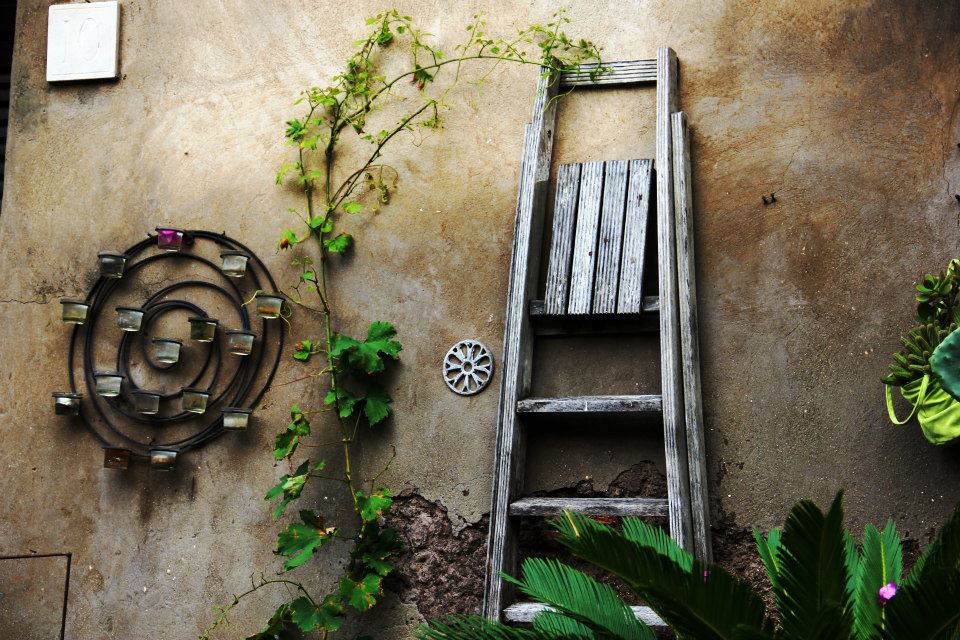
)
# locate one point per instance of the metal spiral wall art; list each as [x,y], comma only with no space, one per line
[188,363]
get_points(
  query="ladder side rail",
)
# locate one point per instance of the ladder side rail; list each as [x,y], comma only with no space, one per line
[518,340]
[674,432]
[689,342]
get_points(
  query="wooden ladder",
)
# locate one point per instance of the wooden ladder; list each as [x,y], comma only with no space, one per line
[594,280]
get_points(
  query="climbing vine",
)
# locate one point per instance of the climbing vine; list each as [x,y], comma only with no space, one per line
[350,111]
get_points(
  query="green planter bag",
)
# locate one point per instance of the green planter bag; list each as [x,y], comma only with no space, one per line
[936,410]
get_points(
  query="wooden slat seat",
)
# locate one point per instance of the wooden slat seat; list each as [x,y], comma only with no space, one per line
[596,259]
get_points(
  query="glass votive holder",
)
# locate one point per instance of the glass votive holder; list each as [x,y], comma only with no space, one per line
[235,418]
[74,311]
[146,402]
[66,403]
[234,263]
[108,383]
[162,459]
[169,239]
[115,458]
[166,350]
[112,264]
[269,305]
[203,329]
[129,318]
[194,400]
[240,341]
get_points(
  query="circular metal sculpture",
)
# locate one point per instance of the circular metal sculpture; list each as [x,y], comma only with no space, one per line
[179,375]
[468,367]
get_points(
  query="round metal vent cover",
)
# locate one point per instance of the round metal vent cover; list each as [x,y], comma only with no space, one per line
[468,367]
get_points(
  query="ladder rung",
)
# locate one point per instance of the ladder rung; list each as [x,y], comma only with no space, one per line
[592,404]
[651,304]
[649,507]
[524,613]
[624,72]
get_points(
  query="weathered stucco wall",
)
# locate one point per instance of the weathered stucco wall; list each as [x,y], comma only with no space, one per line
[848,111]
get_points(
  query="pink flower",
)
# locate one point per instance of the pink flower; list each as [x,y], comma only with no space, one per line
[887,592]
[706,574]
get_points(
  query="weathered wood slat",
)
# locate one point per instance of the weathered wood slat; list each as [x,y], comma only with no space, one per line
[610,241]
[674,433]
[622,507]
[623,73]
[585,241]
[518,342]
[525,612]
[561,245]
[592,404]
[650,304]
[689,342]
[636,220]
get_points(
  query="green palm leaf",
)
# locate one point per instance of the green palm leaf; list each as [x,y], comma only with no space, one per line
[473,628]
[926,610]
[656,538]
[812,591]
[555,625]
[769,550]
[705,603]
[943,553]
[882,562]
[851,560]
[581,598]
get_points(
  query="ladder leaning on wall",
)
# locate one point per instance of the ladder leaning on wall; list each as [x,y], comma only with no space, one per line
[594,278]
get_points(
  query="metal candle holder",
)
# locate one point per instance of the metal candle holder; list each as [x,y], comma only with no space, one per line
[213,393]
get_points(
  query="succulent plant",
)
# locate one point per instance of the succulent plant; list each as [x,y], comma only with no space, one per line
[938,315]
[914,361]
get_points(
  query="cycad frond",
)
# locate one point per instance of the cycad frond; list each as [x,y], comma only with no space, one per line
[881,563]
[813,577]
[580,597]
[943,553]
[704,603]
[926,610]
[851,560]
[556,626]
[473,628]
[658,539]
[769,550]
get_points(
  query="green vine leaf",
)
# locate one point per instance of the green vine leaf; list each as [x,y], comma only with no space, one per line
[288,440]
[326,617]
[299,541]
[362,594]
[303,350]
[352,207]
[290,487]
[376,405]
[370,507]
[339,243]
[345,401]
[367,356]
[376,546]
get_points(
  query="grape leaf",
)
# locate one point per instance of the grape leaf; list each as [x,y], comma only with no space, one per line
[339,243]
[345,401]
[361,595]
[290,487]
[299,541]
[376,405]
[325,617]
[372,506]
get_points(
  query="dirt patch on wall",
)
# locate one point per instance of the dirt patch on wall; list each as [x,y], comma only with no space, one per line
[442,569]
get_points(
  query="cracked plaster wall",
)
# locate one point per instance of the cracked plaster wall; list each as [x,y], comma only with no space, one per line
[846,110]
